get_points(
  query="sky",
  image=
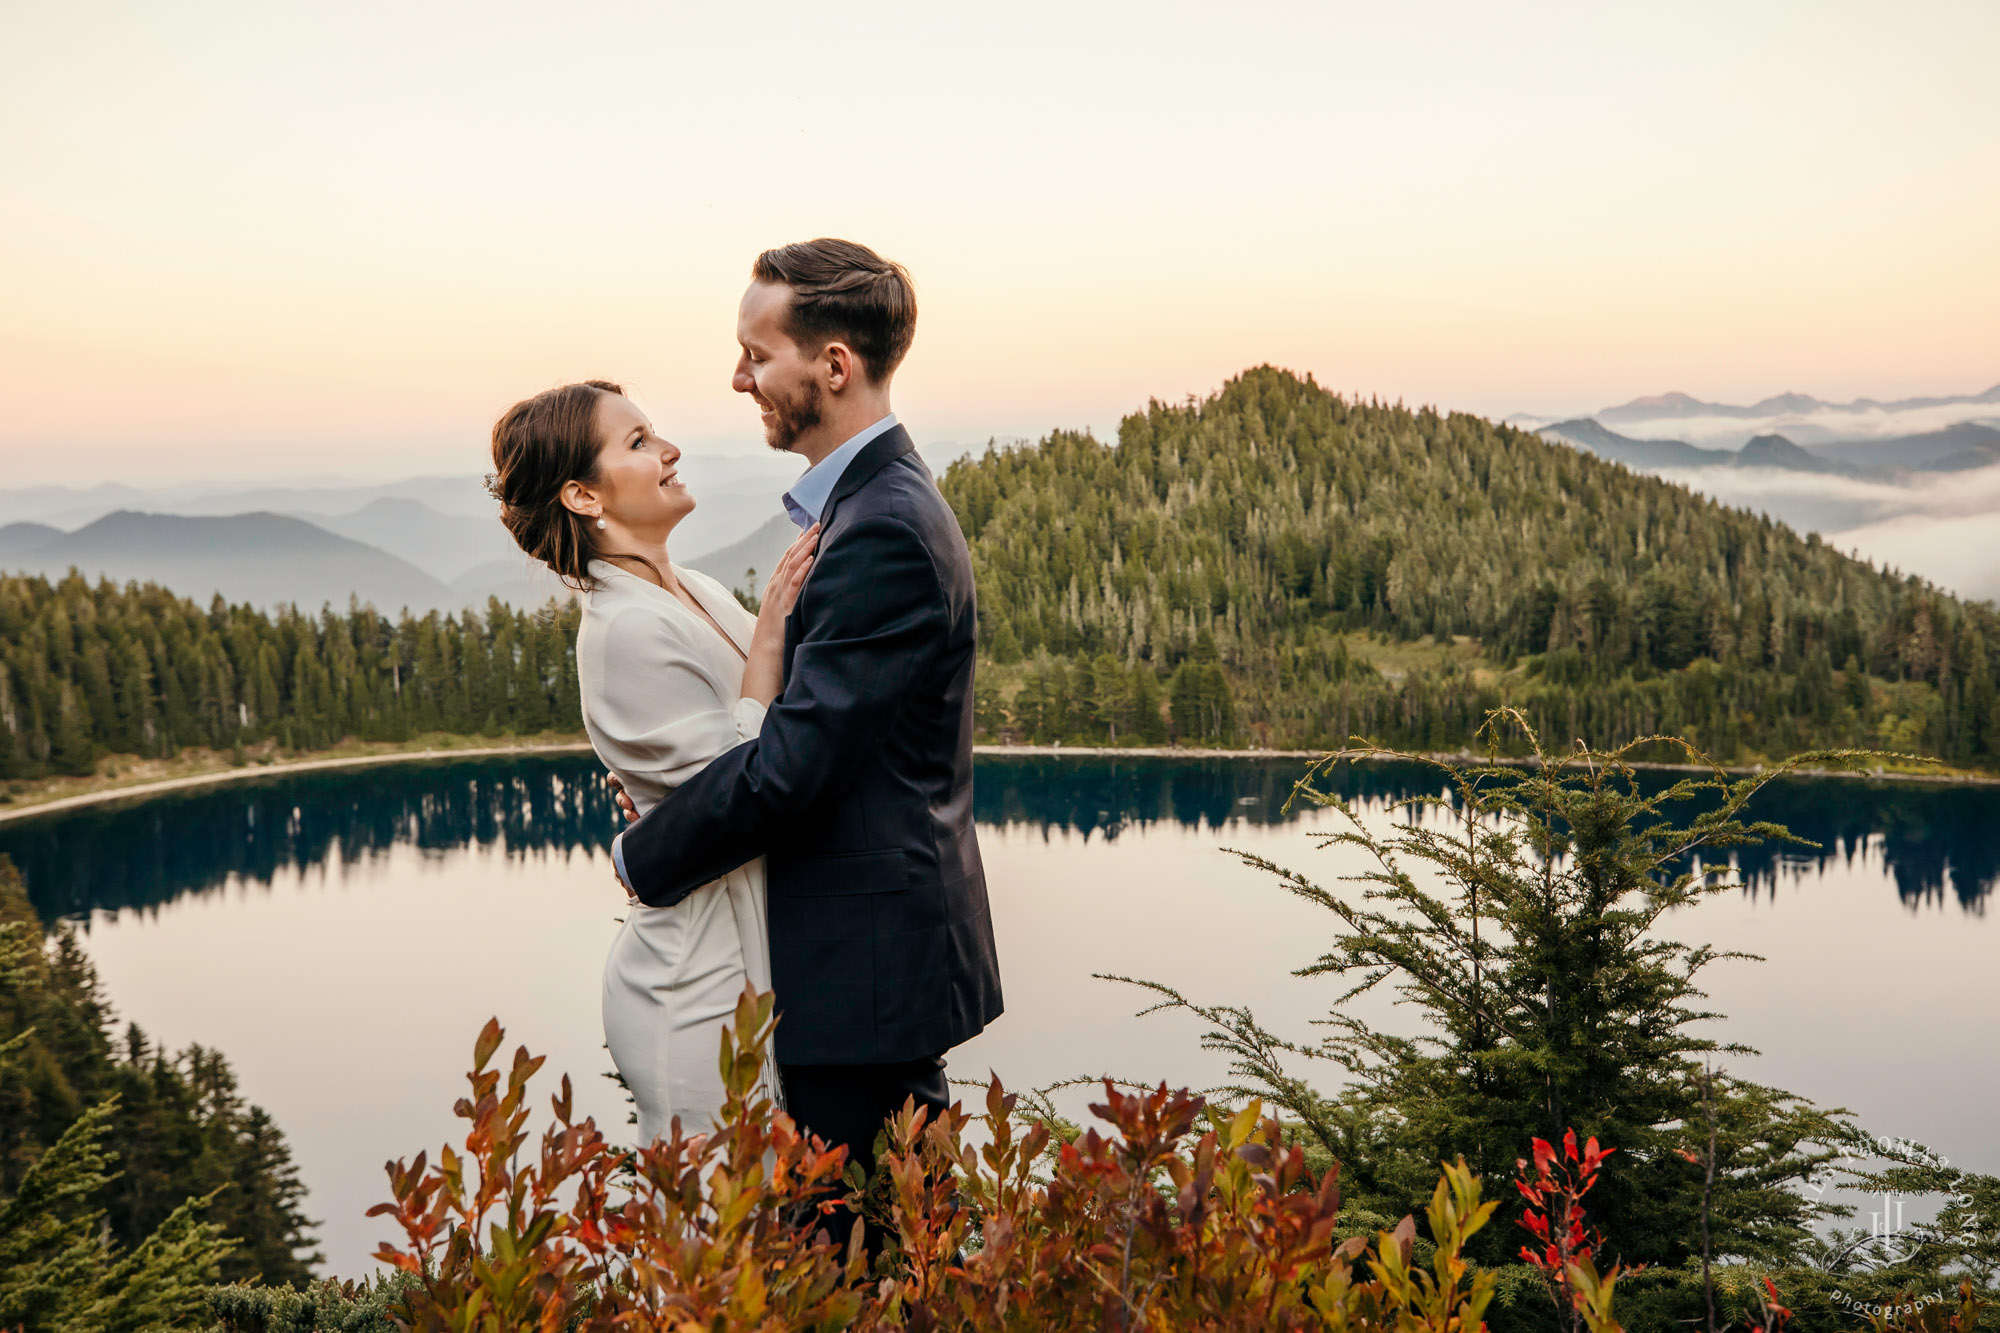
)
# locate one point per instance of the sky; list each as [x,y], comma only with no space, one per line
[252,241]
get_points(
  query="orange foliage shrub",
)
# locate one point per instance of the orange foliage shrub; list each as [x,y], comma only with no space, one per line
[1172,1219]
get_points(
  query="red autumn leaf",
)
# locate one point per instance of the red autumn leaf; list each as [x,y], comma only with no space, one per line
[1545,1157]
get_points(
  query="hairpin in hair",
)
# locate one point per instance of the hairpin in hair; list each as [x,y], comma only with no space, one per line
[493,485]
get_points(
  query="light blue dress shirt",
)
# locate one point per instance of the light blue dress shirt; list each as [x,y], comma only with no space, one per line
[806,503]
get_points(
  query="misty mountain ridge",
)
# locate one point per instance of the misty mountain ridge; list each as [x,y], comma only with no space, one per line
[760,551]
[445,546]
[1656,406]
[21,538]
[1593,437]
[264,559]
[70,507]
[271,560]
[1779,452]
[1958,448]
[440,536]
[1962,447]
[1813,423]
[393,547]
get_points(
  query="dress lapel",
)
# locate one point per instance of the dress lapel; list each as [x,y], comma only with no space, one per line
[730,617]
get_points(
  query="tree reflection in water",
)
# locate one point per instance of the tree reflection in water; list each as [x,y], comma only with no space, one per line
[150,852]
[1933,840]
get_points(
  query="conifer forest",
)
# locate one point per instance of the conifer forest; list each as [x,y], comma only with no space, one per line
[1276,566]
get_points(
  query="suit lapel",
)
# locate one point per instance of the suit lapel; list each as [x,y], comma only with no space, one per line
[879,452]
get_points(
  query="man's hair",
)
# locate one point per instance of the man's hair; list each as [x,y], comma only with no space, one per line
[842,290]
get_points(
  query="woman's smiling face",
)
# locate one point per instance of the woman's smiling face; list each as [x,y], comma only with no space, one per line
[638,481]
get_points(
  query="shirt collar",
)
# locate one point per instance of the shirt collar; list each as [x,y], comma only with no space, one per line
[806,501]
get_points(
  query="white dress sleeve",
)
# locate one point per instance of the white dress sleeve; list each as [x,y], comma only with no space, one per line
[657,715]
[748,715]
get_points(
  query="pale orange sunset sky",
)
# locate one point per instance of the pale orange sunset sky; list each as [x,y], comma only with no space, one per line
[258,241]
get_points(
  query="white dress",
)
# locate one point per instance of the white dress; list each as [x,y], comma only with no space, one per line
[661,699]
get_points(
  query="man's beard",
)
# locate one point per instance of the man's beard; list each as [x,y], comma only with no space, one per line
[793,419]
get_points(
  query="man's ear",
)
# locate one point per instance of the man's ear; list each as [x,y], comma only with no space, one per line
[580,499]
[843,367]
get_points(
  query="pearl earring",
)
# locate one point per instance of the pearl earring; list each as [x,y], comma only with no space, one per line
[600,522]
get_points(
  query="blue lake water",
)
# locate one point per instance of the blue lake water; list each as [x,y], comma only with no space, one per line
[341,936]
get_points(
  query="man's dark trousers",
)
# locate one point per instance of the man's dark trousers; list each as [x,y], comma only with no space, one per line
[848,1104]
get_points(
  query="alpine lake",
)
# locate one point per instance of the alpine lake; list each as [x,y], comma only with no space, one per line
[341,936]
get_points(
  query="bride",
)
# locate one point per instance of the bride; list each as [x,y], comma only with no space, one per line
[674,672]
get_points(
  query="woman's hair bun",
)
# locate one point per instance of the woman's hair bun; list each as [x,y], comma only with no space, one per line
[540,445]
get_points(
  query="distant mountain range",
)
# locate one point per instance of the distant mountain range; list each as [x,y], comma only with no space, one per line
[271,560]
[760,551]
[1957,448]
[1784,404]
[442,544]
[1781,405]
[263,559]
[434,543]
[70,507]
[1589,435]
[428,543]
[1801,418]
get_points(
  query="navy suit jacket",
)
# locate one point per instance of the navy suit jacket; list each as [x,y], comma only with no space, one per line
[858,789]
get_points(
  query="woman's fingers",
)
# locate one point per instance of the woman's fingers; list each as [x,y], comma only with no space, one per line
[797,551]
[788,593]
[623,797]
[790,573]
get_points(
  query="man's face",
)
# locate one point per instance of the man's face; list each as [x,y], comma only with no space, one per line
[779,378]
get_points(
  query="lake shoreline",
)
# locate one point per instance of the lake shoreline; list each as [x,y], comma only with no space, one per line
[143,790]
[101,795]
[1467,757]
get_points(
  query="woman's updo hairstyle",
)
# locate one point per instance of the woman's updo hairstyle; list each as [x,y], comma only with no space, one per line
[540,445]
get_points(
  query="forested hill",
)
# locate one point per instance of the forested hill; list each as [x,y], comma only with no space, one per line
[1274,566]
[1290,566]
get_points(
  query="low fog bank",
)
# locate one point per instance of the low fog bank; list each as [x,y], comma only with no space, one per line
[1824,424]
[1943,527]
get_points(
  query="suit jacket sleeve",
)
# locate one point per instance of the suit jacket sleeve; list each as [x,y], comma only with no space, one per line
[873,615]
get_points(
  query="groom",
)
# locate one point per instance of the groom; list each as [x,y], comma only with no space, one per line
[858,790]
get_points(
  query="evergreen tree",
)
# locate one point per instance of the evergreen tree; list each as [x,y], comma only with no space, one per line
[60,1272]
[73,1099]
[88,670]
[1519,917]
